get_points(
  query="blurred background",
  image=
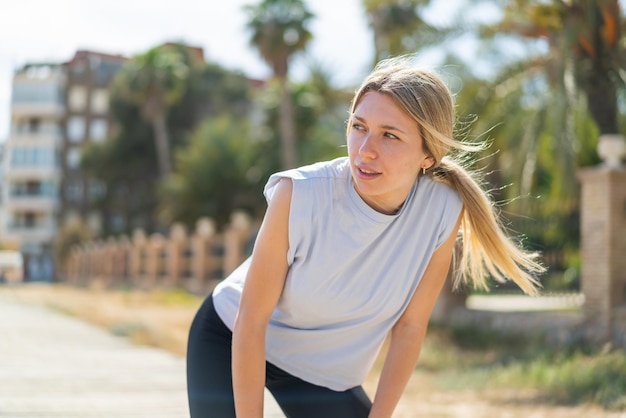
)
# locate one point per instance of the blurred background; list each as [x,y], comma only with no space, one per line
[136,136]
[89,90]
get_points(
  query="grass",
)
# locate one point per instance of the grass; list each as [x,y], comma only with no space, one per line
[572,377]
[452,359]
[482,359]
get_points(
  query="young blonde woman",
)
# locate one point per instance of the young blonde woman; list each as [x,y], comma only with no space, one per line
[350,251]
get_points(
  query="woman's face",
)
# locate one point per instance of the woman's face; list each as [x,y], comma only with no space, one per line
[385,150]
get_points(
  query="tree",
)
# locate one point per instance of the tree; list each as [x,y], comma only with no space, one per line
[319,115]
[279,30]
[215,174]
[586,37]
[399,27]
[573,76]
[155,81]
[539,111]
[126,163]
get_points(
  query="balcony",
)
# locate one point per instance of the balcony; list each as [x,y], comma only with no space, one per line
[21,110]
[39,202]
[38,91]
[37,233]
[47,133]
[13,173]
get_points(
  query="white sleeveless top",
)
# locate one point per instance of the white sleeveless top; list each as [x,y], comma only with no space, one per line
[352,272]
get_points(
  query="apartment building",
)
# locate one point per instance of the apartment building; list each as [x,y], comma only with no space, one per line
[31,166]
[88,77]
[56,108]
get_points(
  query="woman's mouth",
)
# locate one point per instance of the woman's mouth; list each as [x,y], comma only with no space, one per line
[367,173]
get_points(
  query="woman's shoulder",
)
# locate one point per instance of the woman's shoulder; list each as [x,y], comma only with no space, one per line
[334,169]
[323,169]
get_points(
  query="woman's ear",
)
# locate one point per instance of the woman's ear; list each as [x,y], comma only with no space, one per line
[428,163]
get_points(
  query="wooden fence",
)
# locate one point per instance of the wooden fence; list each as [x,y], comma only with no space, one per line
[190,261]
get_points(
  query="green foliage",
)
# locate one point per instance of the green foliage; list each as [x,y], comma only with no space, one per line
[400,28]
[155,81]
[320,113]
[538,141]
[470,356]
[159,75]
[127,162]
[217,173]
[585,48]
[279,30]
[572,377]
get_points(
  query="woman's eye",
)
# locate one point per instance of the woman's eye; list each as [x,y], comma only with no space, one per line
[357,126]
[390,135]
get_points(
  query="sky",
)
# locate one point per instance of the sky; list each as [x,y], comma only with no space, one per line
[52,30]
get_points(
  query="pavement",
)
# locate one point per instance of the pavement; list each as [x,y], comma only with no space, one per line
[52,365]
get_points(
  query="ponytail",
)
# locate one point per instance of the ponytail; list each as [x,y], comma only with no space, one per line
[486,250]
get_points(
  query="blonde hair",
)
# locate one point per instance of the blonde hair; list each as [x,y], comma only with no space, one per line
[486,250]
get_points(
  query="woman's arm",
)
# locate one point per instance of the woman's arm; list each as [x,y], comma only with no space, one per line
[264,284]
[408,333]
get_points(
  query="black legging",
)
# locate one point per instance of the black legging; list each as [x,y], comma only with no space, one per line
[209,379]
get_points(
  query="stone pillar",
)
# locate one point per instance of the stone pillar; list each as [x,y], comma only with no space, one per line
[603,249]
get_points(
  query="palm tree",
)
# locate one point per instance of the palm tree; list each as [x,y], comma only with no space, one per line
[399,28]
[155,81]
[279,30]
[586,36]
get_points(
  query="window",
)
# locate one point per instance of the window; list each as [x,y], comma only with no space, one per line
[33,157]
[117,222]
[97,189]
[98,130]
[77,99]
[100,101]
[28,188]
[48,92]
[106,71]
[72,158]
[18,157]
[73,191]
[78,70]
[26,220]
[33,125]
[76,129]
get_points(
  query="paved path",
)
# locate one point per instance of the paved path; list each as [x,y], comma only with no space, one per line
[52,365]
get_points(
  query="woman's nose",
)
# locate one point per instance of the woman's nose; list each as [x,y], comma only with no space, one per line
[368,147]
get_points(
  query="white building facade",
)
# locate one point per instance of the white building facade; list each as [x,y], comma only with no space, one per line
[56,110]
[31,166]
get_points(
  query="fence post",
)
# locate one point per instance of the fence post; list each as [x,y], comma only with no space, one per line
[154,261]
[175,248]
[71,267]
[235,237]
[137,257]
[201,245]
